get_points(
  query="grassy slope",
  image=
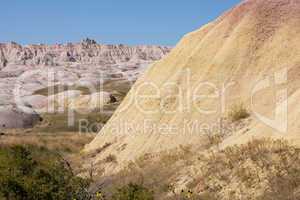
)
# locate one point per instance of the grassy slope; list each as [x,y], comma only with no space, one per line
[260,170]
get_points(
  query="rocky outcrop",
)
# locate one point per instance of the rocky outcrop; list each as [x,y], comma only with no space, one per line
[91,102]
[12,117]
[87,51]
[27,72]
[3,60]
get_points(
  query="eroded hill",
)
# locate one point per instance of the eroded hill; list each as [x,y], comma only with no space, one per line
[247,58]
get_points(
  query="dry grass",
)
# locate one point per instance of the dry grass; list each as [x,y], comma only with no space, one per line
[238,112]
[154,171]
[214,139]
[261,169]
[110,159]
[58,122]
[97,151]
[62,142]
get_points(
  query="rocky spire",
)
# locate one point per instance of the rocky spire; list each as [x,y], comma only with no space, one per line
[3,60]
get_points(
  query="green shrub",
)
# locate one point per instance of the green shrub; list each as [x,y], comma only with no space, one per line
[32,173]
[133,192]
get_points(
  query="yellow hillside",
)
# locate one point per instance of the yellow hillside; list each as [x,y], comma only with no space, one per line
[250,56]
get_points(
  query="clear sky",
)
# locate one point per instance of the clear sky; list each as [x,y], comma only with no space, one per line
[107,21]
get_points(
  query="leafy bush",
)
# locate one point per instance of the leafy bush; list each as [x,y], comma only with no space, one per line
[33,173]
[133,192]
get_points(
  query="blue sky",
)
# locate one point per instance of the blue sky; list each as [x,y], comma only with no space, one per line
[107,21]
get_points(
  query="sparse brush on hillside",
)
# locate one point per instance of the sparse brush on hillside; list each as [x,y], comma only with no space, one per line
[133,192]
[238,112]
[260,170]
[152,174]
[111,159]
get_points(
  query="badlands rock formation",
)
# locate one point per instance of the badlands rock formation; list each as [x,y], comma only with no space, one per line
[11,117]
[87,51]
[30,75]
[249,55]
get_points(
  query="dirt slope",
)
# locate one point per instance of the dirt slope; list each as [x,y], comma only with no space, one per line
[256,40]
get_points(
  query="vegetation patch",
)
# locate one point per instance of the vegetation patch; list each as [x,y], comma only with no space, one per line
[133,192]
[85,123]
[110,159]
[238,112]
[64,143]
[261,170]
[34,173]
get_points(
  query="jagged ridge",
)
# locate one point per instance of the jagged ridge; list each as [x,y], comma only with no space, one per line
[87,51]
